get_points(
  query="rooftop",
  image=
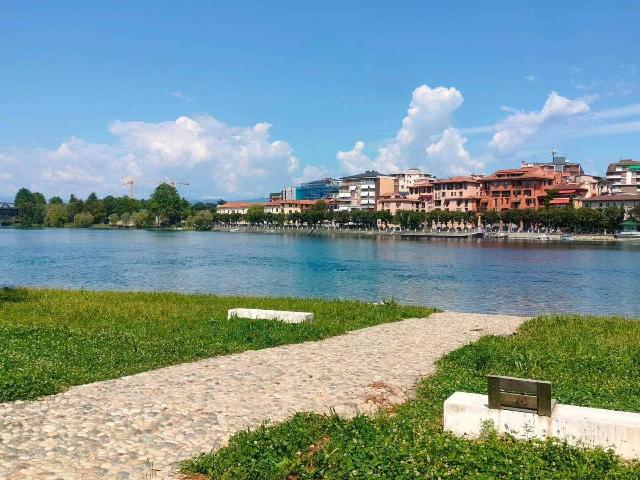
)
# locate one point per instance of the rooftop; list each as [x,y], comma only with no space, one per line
[616,197]
[367,174]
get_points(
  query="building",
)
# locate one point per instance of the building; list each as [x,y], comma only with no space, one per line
[275,196]
[406,180]
[457,194]
[574,193]
[8,212]
[318,189]
[624,200]
[419,198]
[570,170]
[361,191]
[296,206]
[394,202]
[517,188]
[624,176]
[242,207]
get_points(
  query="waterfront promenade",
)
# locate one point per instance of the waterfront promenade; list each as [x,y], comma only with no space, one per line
[141,426]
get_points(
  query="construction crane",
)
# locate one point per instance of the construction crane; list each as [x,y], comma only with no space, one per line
[129,181]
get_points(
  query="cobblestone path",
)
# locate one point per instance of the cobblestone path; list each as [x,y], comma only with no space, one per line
[141,426]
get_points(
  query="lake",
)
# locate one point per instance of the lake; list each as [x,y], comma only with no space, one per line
[464,275]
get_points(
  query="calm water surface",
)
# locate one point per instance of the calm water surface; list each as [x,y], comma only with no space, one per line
[477,276]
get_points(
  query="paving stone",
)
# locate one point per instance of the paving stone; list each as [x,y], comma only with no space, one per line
[143,425]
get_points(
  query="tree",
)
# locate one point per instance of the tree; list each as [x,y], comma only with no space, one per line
[141,219]
[255,214]
[55,201]
[166,204]
[56,215]
[83,220]
[114,219]
[31,207]
[634,213]
[612,218]
[201,220]
[125,219]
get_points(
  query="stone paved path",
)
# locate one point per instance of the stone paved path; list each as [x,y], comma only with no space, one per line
[140,426]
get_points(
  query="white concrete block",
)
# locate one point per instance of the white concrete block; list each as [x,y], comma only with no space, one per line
[465,414]
[281,315]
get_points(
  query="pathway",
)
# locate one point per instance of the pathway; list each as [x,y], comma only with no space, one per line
[140,426]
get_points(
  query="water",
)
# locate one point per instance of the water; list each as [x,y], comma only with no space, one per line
[475,276]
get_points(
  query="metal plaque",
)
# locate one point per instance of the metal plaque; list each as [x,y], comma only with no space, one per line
[520,394]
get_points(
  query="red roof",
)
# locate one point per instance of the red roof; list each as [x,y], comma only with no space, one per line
[559,201]
[459,179]
[521,173]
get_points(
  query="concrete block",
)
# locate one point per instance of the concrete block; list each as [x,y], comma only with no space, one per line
[281,315]
[465,414]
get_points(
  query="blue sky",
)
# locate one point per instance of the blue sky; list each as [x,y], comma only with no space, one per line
[91,94]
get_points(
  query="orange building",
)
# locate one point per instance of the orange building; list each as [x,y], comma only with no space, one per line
[457,194]
[517,188]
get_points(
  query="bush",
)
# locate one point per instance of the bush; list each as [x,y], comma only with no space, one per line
[83,220]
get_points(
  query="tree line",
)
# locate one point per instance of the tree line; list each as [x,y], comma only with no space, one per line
[167,208]
[164,208]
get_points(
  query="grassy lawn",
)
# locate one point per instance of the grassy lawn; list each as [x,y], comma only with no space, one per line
[591,361]
[53,339]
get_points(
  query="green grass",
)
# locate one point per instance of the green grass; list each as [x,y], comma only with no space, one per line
[591,361]
[53,339]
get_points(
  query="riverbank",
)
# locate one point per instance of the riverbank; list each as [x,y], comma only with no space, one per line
[420,234]
[53,339]
[578,354]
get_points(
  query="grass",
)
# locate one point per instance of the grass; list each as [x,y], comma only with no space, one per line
[591,361]
[53,339]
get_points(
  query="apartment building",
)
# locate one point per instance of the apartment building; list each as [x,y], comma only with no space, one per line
[624,176]
[361,191]
[405,180]
[419,198]
[457,194]
[242,207]
[517,188]
[569,170]
[624,200]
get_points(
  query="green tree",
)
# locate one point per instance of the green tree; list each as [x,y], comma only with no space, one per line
[125,219]
[166,204]
[255,214]
[141,219]
[55,201]
[114,219]
[31,207]
[83,220]
[56,215]
[612,218]
[201,220]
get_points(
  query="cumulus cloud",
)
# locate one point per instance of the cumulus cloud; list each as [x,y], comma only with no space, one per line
[355,160]
[429,116]
[311,173]
[518,127]
[449,150]
[215,158]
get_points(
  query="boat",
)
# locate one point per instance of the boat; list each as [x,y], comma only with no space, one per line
[567,237]
[627,235]
[543,236]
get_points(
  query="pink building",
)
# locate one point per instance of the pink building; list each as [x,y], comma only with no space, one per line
[457,194]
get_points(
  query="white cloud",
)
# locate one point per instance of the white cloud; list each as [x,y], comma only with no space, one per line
[531,78]
[450,153]
[518,127]
[215,158]
[182,96]
[429,115]
[355,160]
[311,173]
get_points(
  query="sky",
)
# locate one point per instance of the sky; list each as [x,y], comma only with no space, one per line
[239,99]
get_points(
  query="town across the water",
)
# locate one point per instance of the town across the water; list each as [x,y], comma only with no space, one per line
[558,183]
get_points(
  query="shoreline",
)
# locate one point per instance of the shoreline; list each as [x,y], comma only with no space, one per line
[395,235]
[415,235]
